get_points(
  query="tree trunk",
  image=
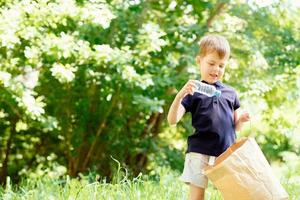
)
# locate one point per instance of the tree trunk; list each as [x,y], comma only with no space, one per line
[6,158]
[102,125]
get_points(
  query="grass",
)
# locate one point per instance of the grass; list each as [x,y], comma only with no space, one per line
[165,186]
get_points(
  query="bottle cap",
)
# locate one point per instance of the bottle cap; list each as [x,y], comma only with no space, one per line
[218,93]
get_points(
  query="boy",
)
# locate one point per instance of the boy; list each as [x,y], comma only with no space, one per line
[214,118]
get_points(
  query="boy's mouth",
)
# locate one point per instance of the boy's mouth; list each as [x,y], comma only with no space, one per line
[214,75]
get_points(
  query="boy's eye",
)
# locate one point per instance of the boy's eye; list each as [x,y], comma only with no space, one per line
[221,66]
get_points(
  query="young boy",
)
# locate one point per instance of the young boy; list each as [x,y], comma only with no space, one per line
[214,118]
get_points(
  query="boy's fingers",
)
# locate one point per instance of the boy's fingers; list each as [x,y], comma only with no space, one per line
[191,87]
[194,85]
[193,82]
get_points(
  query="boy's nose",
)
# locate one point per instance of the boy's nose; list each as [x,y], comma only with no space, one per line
[215,68]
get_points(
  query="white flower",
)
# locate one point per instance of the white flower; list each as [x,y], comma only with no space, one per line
[259,61]
[131,75]
[30,78]
[63,73]
[104,52]
[9,39]
[234,23]
[57,170]
[33,106]
[5,78]
[188,19]
[151,37]
[108,98]
[3,114]
[172,5]
[66,7]
[66,44]
[49,123]
[146,81]
[21,126]
[255,4]
[29,33]
[83,50]
[233,63]
[62,46]
[10,24]
[31,52]
[98,13]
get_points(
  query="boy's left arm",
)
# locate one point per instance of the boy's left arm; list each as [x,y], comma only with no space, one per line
[239,120]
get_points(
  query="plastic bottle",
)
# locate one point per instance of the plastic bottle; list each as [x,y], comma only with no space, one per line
[208,90]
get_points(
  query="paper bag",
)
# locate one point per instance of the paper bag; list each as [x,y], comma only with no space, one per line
[243,173]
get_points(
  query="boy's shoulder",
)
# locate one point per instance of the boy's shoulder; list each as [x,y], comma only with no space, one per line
[228,88]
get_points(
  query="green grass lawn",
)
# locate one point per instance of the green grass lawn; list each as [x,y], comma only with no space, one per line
[166,186]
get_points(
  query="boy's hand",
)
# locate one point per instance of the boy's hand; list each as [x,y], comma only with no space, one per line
[244,117]
[188,88]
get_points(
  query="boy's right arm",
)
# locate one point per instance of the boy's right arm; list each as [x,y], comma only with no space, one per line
[177,110]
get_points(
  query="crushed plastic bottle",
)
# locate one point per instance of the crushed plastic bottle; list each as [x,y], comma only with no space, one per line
[208,90]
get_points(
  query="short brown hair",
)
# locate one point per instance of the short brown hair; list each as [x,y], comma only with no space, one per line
[210,43]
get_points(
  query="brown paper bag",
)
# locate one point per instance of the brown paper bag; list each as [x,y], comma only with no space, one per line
[243,173]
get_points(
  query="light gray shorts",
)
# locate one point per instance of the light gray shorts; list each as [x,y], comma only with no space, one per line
[193,165]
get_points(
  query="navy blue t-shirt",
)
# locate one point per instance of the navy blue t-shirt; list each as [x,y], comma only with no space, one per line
[212,118]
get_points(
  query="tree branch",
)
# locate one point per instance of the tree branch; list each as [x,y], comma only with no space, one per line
[99,131]
[219,8]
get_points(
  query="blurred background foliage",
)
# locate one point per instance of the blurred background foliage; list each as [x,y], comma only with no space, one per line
[86,82]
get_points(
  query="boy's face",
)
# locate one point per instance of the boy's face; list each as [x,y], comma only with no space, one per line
[212,67]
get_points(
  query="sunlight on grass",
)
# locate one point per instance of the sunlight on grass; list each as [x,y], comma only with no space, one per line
[164,184]
[142,187]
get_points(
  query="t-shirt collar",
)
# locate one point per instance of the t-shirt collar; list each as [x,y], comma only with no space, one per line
[217,84]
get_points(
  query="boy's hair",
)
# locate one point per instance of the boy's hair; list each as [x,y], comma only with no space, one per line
[210,43]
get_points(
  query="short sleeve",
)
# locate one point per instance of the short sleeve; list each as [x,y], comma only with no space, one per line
[236,103]
[187,102]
